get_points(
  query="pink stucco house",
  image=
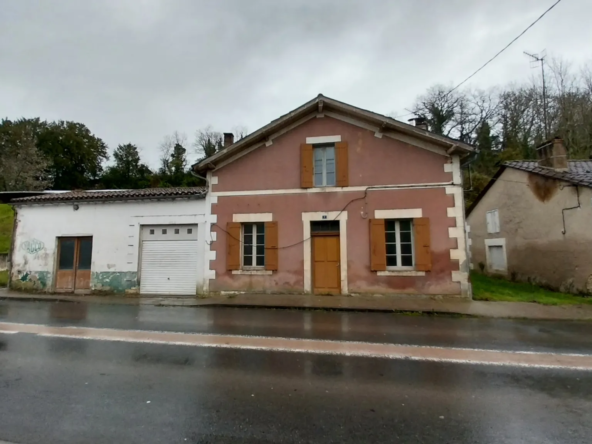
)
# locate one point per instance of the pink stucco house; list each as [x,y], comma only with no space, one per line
[334,199]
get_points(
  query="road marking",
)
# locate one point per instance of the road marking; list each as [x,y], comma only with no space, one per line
[328,347]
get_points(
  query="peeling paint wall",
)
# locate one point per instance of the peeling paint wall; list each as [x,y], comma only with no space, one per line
[115,228]
[531,222]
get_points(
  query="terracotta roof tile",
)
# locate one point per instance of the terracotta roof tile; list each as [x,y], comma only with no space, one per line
[146,193]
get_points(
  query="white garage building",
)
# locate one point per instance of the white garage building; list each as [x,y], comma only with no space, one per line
[150,241]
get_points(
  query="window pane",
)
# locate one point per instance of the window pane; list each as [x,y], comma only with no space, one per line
[260,250]
[318,154]
[318,166]
[85,254]
[406,249]
[176,231]
[330,165]
[321,226]
[406,236]
[391,248]
[391,261]
[407,261]
[260,239]
[164,231]
[260,261]
[260,228]
[189,230]
[405,225]
[247,250]
[248,261]
[151,231]
[67,255]
[390,225]
[392,237]
[248,239]
[330,179]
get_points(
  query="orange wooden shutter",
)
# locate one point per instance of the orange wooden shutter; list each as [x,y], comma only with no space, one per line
[341,155]
[233,250]
[377,245]
[423,248]
[306,166]
[271,246]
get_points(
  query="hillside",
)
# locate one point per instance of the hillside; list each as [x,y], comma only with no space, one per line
[5,227]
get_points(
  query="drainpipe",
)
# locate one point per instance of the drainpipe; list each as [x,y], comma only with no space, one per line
[198,176]
[579,205]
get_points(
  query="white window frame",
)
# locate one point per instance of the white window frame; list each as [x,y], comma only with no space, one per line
[501,242]
[254,246]
[324,147]
[492,221]
[398,244]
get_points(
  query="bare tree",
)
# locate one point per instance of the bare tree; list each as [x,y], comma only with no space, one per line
[240,132]
[207,142]
[167,150]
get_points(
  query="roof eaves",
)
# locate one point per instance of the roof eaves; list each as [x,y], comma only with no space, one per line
[484,191]
[260,134]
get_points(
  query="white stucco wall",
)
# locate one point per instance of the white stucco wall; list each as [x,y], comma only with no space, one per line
[115,228]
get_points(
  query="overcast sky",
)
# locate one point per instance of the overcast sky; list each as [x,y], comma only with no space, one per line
[136,70]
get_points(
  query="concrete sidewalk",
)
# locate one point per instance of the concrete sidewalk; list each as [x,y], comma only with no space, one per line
[517,310]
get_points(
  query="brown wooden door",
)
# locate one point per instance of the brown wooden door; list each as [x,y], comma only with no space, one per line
[74,263]
[326,272]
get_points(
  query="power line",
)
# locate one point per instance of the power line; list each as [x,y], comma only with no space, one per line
[505,47]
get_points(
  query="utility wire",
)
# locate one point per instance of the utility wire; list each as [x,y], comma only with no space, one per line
[505,47]
[304,240]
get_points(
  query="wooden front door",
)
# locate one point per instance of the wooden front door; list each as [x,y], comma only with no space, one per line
[74,263]
[326,273]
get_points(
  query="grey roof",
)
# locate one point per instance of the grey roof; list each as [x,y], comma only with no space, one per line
[102,195]
[580,171]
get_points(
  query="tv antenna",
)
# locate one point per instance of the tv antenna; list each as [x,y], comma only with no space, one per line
[540,58]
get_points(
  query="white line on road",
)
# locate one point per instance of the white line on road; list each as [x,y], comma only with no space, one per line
[329,347]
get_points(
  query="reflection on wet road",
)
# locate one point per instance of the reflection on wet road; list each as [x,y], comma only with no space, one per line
[517,335]
[67,390]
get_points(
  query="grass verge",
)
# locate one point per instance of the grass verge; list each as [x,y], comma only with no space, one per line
[6,219]
[3,278]
[487,288]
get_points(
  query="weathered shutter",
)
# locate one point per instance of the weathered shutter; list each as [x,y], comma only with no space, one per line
[377,245]
[341,154]
[423,248]
[271,246]
[306,166]
[233,250]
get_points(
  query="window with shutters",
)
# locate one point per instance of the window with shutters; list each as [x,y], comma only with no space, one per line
[399,244]
[253,245]
[324,165]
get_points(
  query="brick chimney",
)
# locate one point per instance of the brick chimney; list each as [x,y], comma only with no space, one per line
[552,154]
[228,139]
[420,122]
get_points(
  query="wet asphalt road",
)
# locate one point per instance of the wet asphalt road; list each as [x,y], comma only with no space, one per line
[495,334]
[56,390]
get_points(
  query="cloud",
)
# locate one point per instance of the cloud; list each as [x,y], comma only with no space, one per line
[136,70]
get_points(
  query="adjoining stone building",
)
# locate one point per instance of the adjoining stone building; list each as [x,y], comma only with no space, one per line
[533,221]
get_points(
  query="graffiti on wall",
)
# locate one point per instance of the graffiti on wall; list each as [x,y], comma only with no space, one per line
[32,246]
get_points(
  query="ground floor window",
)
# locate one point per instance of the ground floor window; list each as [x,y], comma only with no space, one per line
[399,243]
[253,243]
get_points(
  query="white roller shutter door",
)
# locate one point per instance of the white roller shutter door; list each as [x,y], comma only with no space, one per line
[169,267]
